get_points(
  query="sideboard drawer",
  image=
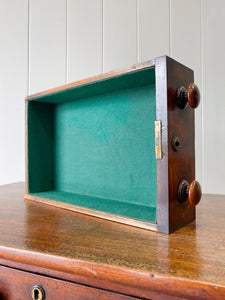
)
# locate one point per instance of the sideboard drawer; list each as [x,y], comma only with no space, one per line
[18,285]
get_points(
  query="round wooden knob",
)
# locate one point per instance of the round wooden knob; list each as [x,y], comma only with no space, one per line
[193,95]
[192,192]
[190,95]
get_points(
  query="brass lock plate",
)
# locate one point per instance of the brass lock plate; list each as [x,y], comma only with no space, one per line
[158,139]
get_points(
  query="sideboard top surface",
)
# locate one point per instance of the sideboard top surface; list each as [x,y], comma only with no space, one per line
[64,241]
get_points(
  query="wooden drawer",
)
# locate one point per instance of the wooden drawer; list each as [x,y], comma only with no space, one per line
[15,284]
[119,146]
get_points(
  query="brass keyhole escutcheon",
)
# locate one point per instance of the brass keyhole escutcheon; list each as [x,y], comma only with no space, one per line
[176,143]
[37,293]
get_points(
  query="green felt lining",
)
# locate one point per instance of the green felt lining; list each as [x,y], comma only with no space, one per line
[129,210]
[93,146]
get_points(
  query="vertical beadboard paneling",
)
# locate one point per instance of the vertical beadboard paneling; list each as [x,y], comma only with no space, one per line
[97,35]
[214,102]
[186,48]
[13,88]
[47,44]
[119,33]
[84,38]
[153,29]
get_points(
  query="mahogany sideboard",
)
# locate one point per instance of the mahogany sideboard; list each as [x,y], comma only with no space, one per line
[52,253]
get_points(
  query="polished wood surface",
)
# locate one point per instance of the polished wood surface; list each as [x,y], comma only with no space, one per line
[189,263]
[18,285]
[94,213]
[181,164]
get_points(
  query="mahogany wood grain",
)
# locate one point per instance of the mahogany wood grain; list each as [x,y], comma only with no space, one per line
[94,213]
[15,284]
[61,244]
[181,164]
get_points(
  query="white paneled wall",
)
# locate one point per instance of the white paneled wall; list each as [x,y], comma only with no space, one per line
[185,46]
[153,25]
[119,33]
[45,43]
[13,88]
[84,38]
[213,59]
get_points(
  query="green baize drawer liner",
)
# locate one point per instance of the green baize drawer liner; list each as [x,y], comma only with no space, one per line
[93,146]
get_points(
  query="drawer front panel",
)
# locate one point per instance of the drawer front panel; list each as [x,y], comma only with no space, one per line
[18,285]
